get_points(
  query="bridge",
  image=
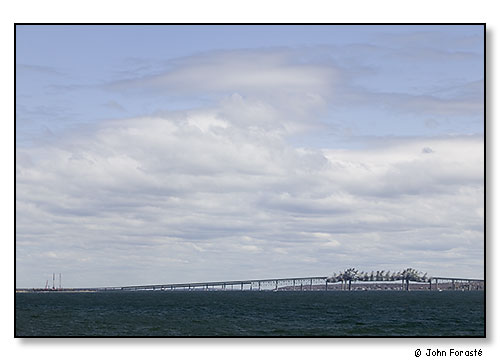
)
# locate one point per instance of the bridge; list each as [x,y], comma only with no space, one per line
[315,283]
[457,283]
[299,284]
[343,281]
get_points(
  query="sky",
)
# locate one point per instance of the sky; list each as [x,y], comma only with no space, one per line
[163,154]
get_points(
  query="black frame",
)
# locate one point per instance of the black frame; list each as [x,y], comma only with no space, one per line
[277,24]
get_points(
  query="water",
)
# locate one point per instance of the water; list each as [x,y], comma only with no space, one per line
[368,313]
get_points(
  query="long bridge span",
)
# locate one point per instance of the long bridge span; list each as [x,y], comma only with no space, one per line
[304,284]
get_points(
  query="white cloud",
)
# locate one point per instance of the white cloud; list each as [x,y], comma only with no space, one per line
[200,192]
[191,195]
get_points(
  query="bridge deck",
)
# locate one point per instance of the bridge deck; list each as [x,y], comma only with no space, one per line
[258,283]
[458,279]
[273,283]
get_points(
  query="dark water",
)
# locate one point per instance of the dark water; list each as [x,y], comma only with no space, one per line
[368,313]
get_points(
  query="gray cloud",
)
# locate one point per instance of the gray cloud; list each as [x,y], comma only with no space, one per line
[192,194]
[244,71]
[155,194]
[38,69]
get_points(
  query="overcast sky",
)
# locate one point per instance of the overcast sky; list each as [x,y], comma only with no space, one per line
[196,153]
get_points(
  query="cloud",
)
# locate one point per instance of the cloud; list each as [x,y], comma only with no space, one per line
[246,71]
[188,195]
[202,191]
[33,68]
[265,88]
[114,105]
[298,89]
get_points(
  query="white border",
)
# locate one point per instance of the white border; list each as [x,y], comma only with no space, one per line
[234,11]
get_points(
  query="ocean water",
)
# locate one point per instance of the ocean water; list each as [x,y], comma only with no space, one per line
[358,313]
